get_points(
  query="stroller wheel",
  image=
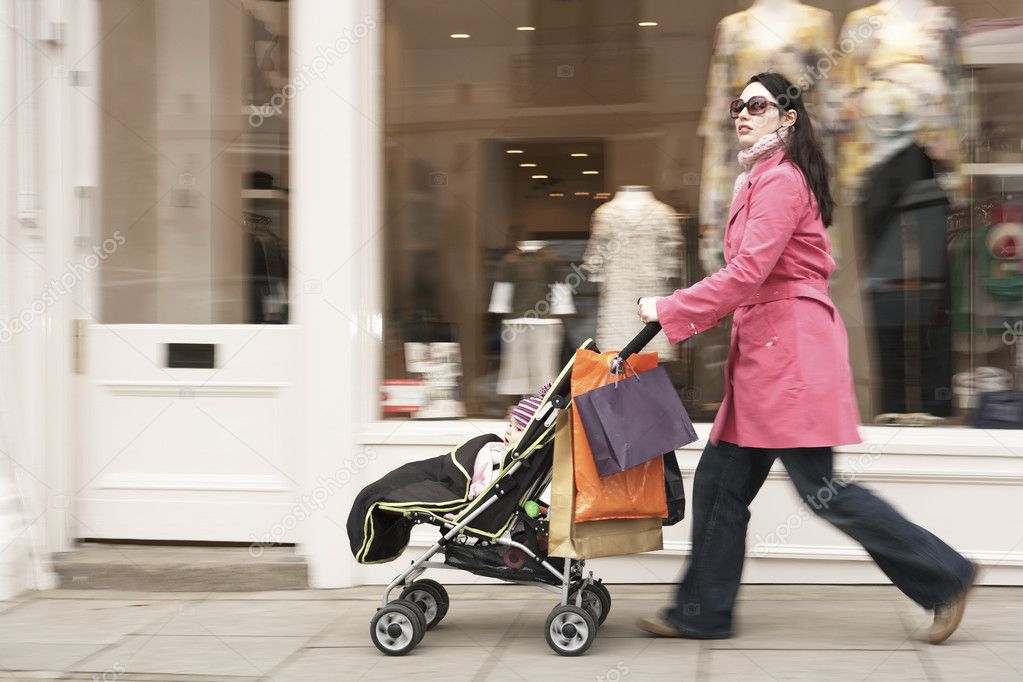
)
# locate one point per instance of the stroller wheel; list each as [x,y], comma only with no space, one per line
[397,628]
[431,597]
[596,600]
[570,630]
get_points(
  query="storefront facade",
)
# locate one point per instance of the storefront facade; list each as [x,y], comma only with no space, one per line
[232,228]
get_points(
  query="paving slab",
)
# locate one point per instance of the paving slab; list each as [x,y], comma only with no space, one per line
[366,663]
[742,665]
[820,624]
[607,659]
[223,618]
[963,659]
[92,621]
[252,657]
[27,656]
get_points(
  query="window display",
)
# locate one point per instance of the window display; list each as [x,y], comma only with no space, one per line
[534,192]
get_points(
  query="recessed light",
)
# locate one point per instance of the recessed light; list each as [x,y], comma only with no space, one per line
[527,165]
[459,35]
[525,28]
[581,155]
[538,177]
[556,194]
[512,151]
[582,194]
[648,23]
[591,172]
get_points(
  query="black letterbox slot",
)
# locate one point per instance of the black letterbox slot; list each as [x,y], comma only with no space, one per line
[190,355]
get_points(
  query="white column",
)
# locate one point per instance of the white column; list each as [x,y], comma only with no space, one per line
[335,279]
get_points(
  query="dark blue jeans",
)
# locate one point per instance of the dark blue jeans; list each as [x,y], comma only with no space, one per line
[728,478]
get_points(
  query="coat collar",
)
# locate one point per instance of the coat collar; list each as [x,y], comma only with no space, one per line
[759,169]
[766,164]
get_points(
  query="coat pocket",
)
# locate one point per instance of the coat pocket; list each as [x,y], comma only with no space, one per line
[764,323]
[767,345]
[819,344]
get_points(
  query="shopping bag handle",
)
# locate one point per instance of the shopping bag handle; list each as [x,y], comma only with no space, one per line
[645,336]
[621,371]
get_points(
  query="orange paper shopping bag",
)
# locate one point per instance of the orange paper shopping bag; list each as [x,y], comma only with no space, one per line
[637,493]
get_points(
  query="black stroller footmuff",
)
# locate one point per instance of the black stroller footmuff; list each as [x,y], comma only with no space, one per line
[380,525]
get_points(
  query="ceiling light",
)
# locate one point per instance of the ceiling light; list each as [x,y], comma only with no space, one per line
[591,172]
[556,194]
[512,151]
[538,177]
[527,165]
[582,194]
[525,28]
[459,35]
[580,154]
[648,23]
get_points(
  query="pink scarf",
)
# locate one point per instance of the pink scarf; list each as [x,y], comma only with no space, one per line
[765,147]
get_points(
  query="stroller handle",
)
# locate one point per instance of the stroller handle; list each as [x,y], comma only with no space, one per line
[645,336]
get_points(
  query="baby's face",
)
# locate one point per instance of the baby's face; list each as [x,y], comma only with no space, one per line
[512,433]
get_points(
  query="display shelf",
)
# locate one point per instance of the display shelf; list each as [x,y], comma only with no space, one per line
[992,169]
[992,55]
[265,195]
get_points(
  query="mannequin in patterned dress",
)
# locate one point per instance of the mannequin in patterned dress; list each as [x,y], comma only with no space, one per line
[786,36]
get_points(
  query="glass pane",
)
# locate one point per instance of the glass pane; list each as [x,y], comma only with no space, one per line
[194,161]
[514,140]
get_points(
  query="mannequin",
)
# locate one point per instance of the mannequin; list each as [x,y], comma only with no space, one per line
[912,44]
[529,292]
[786,36]
[899,104]
[904,216]
[775,22]
[635,250]
[907,10]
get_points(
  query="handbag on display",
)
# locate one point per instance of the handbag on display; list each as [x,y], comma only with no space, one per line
[631,421]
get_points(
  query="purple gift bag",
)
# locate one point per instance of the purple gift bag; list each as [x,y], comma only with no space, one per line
[631,421]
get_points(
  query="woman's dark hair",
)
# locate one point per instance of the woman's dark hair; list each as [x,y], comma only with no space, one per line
[803,147]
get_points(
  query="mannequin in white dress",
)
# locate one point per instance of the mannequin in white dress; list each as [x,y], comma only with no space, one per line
[635,250]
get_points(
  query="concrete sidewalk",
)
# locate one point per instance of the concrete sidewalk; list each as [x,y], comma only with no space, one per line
[496,633]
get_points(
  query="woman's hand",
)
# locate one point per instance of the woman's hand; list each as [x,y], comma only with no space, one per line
[647,308]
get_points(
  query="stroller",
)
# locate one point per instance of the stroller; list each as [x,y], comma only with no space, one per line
[498,534]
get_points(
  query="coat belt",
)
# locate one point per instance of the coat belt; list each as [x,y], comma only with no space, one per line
[811,288]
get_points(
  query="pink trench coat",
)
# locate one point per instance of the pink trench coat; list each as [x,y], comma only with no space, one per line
[787,380]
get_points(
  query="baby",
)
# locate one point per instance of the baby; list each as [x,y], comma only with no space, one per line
[490,458]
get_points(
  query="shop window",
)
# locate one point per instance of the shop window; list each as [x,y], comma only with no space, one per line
[520,143]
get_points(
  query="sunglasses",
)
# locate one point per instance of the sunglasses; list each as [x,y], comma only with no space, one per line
[757,106]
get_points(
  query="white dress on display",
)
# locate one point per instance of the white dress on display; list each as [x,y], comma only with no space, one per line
[635,249]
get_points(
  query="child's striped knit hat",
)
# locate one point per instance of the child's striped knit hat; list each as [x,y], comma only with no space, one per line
[524,411]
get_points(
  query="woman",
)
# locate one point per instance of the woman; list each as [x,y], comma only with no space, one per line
[788,385]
